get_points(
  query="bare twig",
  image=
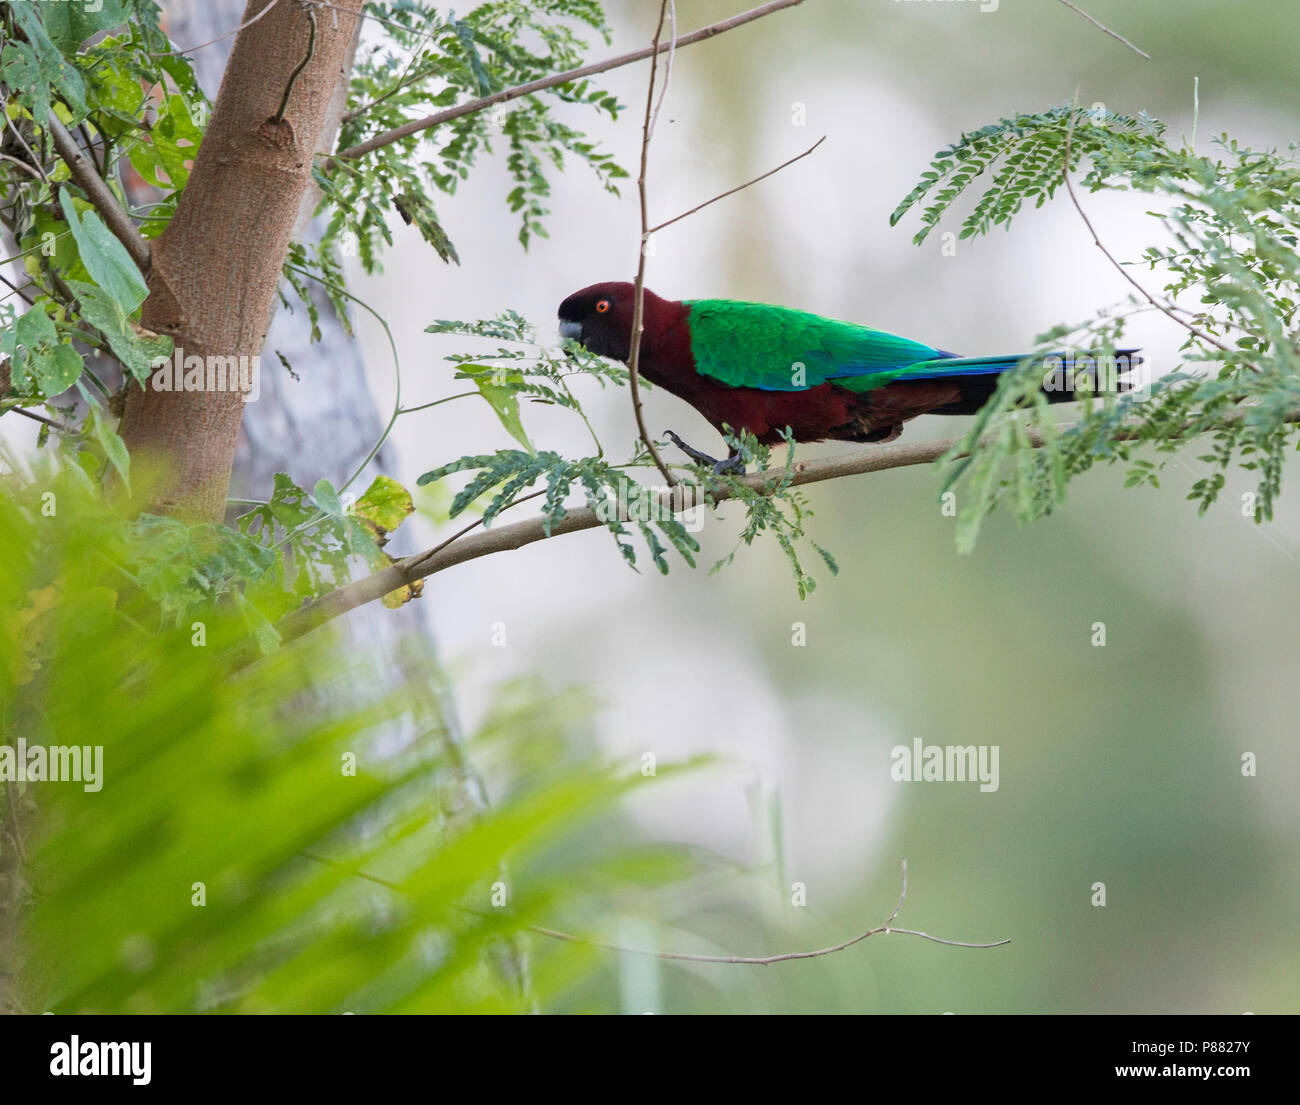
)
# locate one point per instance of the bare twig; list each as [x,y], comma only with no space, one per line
[34,173]
[1096,240]
[638,294]
[1102,27]
[100,194]
[41,418]
[470,107]
[691,957]
[293,77]
[20,292]
[784,957]
[652,108]
[219,38]
[739,188]
[34,162]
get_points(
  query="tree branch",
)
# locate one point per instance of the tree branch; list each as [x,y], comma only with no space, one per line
[100,194]
[873,458]
[311,615]
[293,77]
[470,107]
[638,293]
[41,418]
[691,957]
[738,188]
[783,957]
[1102,27]
[1096,240]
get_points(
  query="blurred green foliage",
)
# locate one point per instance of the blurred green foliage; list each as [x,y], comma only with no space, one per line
[276,840]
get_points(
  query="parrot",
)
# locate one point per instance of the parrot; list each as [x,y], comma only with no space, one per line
[770,370]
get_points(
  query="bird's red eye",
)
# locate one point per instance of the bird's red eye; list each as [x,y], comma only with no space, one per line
[602,306]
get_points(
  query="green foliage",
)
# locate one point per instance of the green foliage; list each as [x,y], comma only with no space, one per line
[510,475]
[616,498]
[113,76]
[85,291]
[1024,155]
[425,61]
[778,509]
[236,855]
[1228,228]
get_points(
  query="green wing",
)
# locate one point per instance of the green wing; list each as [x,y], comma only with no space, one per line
[755,345]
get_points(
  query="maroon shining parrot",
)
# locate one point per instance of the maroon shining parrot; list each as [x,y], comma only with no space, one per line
[761,368]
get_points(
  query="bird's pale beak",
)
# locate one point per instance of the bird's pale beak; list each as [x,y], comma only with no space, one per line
[569,329]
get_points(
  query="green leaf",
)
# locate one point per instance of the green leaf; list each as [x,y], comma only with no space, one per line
[105,258]
[505,402]
[38,66]
[326,497]
[70,24]
[174,142]
[264,633]
[385,505]
[57,369]
[135,347]
[38,354]
[466,35]
[418,209]
[22,71]
[114,447]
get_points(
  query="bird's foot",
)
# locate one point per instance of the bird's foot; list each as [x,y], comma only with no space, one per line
[735,463]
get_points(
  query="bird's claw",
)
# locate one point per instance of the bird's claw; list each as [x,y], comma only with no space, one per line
[735,463]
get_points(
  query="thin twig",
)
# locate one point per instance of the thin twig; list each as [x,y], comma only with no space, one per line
[482,521]
[1096,240]
[21,292]
[739,188]
[1102,26]
[692,957]
[638,294]
[35,162]
[219,38]
[41,418]
[470,107]
[100,194]
[297,69]
[35,174]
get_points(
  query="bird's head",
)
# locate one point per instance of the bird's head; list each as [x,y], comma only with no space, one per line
[600,317]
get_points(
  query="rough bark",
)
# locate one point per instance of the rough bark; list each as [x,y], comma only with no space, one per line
[217,266]
[321,425]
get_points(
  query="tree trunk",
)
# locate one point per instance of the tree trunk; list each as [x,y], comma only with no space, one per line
[321,425]
[217,265]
